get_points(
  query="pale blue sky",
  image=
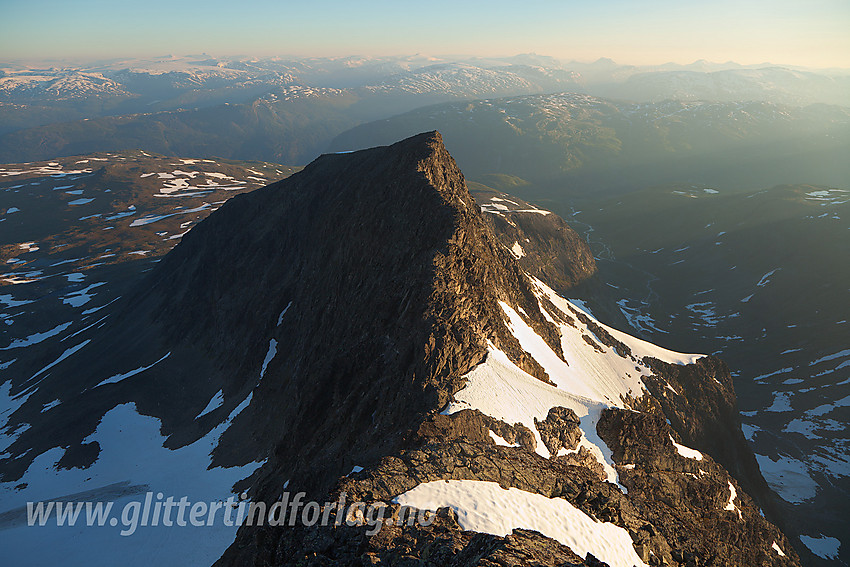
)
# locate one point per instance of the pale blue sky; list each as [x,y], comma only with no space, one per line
[799,32]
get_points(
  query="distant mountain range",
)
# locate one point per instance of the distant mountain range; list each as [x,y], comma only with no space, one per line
[171,103]
[589,141]
[169,77]
[580,143]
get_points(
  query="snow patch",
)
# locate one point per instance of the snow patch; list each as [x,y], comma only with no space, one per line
[282,313]
[36,338]
[822,546]
[500,389]
[81,297]
[123,435]
[841,354]
[501,441]
[270,354]
[788,477]
[639,348]
[49,406]
[517,251]
[781,402]
[765,279]
[118,377]
[68,352]
[486,507]
[730,506]
[686,452]
[215,402]
[8,300]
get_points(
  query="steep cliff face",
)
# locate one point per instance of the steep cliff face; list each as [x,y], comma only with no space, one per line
[369,331]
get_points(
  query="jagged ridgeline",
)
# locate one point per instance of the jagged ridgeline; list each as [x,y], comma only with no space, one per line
[370,330]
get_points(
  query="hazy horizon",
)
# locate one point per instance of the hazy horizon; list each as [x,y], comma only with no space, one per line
[811,34]
[84,61]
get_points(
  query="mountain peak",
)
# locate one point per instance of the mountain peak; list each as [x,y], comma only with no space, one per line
[360,328]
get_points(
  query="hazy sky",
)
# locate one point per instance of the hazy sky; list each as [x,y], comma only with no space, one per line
[796,32]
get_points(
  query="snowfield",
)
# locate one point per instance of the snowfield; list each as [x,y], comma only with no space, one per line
[486,507]
[132,463]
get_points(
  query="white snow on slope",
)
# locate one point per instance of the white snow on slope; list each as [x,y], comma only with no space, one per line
[640,348]
[686,452]
[501,441]
[270,354]
[587,381]
[566,375]
[765,279]
[781,402]
[730,506]
[154,218]
[488,508]
[778,549]
[8,300]
[602,377]
[81,297]
[37,337]
[500,389]
[282,313]
[118,377]
[822,546]
[215,403]
[124,435]
[843,353]
[590,379]
[9,404]
[68,352]
[788,477]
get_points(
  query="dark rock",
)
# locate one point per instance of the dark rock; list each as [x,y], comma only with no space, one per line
[473,426]
[686,501]
[443,543]
[79,456]
[591,561]
[560,429]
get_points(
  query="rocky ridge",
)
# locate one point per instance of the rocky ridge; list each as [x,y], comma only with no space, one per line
[675,504]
